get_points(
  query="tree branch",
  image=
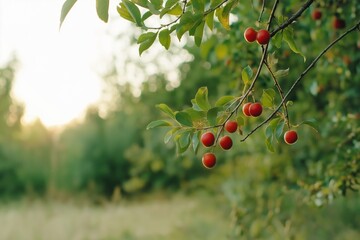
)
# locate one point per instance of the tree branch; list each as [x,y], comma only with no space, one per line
[297,81]
[293,17]
[276,82]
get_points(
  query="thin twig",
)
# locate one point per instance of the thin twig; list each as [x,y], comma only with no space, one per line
[292,18]
[281,92]
[262,10]
[312,64]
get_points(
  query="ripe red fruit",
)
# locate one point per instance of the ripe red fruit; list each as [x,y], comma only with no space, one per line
[338,23]
[245,109]
[316,14]
[263,37]
[231,126]
[290,137]
[208,139]
[209,160]
[250,34]
[255,109]
[226,142]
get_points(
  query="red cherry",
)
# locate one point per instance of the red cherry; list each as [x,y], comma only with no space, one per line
[255,109]
[231,126]
[208,139]
[316,14]
[209,160]
[226,142]
[250,34]
[245,109]
[290,137]
[263,37]
[338,23]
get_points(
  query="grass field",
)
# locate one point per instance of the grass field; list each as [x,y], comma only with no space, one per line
[175,218]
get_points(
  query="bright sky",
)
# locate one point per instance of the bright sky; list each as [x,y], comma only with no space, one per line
[59,72]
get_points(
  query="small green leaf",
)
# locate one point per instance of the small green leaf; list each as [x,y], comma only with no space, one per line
[146,40]
[277,39]
[166,109]
[142,3]
[146,16]
[240,120]
[223,14]
[212,115]
[198,5]
[312,123]
[134,12]
[124,13]
[246,74]
[102,9]
[281,73]
[210,20]
[187,21]
[184,119]
[269,145]
[199,33]
[183,141]
[171,3]
[195,114]
[267,98]
[279,130]
[196,141]
[288,37]
[224,100]
[66,7]
[169,135]
[164,38]
[269,130]
[158,123]
[201,98]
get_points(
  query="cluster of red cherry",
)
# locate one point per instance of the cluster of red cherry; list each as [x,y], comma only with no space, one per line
[225,142]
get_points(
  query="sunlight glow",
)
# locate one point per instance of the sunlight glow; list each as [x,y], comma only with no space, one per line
[58,75]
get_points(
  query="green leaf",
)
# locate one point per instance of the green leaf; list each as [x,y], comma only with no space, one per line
[66,7]
[142,3]
[199,33]
[201,98]
[158,123]
[210,20]
[224,100]
[281,73]
[124,13]
[195,114]
[187,21]
[312,123]
[198,5]
[269,145]
[157,4]
[102,9]
[277,39]
[184,119]
[215,3]
[175,10]
[269,130]
[267,98]
[240,120]
[183,141]
[164,38]
[246,74]
[288,37]
[212,115]
[134,12]
[146,16]
[166,109]
[279,130]
[146,40]
[168,135]
[196,141]
[171,3]
[223,14]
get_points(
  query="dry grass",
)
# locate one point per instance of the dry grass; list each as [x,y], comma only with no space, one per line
[177,218]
